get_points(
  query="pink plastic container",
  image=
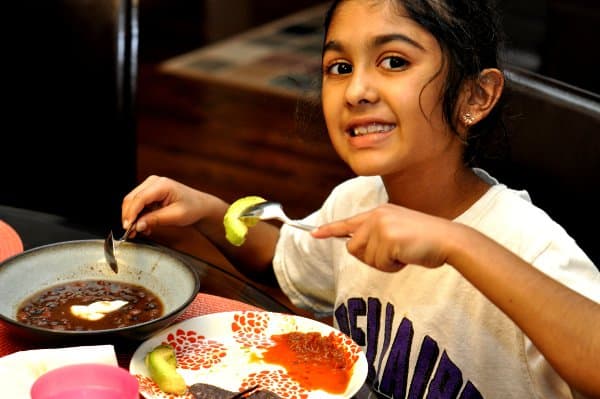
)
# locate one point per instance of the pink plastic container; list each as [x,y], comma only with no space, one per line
[86,381]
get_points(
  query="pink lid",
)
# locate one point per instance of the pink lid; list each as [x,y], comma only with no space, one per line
[91,381]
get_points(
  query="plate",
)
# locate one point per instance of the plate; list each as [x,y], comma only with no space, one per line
[222,349]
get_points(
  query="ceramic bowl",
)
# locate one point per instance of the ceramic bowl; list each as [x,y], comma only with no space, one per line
[155,268]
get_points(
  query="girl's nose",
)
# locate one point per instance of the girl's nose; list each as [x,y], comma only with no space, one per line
[361,90]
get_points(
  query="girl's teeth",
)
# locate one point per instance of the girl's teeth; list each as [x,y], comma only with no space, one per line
[374,128]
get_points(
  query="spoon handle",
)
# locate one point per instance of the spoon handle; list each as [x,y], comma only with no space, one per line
[300,225]
[128,231]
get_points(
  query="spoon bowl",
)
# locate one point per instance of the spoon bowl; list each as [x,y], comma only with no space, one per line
[110,247]
[109,252]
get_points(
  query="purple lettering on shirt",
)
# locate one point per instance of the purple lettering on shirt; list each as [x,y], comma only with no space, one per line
[395,376]
[356,307]
[470,392]
[387,337]
[425,364]
[373,327]
[447,380]
[341,317]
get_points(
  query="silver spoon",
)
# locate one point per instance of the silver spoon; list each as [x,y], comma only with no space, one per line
[273,210]
[110,247]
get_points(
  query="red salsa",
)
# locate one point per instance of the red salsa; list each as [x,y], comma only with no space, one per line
[313,360]
[51,308]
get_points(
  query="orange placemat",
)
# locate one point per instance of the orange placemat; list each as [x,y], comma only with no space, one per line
[206,303]
[10,242]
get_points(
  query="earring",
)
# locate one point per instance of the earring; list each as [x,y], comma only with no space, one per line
[468,118]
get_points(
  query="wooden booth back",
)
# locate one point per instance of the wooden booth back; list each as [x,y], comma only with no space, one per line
[554,152]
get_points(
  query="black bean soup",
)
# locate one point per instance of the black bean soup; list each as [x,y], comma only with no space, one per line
[51,308]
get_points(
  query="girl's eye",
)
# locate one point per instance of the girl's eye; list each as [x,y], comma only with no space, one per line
[339,68]
[394,62]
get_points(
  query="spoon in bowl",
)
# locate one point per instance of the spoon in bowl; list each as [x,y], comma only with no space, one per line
[110,247]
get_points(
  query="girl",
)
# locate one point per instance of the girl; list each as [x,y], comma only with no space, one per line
[455,285]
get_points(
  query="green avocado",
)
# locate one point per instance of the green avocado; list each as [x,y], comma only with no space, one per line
[236,228]
[162,365]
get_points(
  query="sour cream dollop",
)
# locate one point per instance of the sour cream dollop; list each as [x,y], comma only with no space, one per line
[97,310]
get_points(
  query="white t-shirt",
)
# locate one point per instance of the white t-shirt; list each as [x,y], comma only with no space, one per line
[429,329]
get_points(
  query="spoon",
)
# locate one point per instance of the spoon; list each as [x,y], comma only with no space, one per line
[273,210]
[110,247]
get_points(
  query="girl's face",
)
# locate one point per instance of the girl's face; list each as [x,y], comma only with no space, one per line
[382,82]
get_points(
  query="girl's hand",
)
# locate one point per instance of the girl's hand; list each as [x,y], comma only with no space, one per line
[389,237]
[160,201]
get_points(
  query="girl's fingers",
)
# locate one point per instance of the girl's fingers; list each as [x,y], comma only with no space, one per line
[337,229]
[151,191]
[340,228]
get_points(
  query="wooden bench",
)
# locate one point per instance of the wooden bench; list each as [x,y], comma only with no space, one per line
[554,152]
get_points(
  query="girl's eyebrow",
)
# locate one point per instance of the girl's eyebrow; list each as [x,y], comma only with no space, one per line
[332,46]
[383,39]
[377,41]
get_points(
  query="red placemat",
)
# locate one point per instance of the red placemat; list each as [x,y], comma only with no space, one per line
[10,242]
[206,304]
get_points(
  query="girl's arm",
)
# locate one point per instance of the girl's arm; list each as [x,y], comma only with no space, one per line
[562,324]
[160,201]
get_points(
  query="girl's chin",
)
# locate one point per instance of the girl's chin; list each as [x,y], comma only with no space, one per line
[367,167]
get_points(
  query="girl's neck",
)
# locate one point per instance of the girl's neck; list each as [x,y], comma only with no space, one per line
[445,193]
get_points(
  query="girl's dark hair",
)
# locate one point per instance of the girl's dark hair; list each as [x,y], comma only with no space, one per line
[470,36]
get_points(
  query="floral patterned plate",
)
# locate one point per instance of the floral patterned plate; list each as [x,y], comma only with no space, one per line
[222,349]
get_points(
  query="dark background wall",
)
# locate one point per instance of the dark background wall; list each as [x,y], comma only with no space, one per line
[557,38]
[63,149]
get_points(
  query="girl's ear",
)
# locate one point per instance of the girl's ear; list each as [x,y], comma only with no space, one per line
[480,96]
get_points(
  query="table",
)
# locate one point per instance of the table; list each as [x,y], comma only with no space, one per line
[220,290]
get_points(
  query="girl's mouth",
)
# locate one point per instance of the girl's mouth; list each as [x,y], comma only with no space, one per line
[371,128]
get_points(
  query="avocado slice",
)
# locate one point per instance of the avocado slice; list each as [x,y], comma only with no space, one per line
[236,228]
[162,365]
